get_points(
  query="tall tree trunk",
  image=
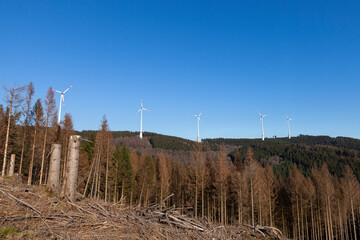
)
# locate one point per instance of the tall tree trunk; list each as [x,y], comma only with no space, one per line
[202,198]
[312,220]
[142,189]
[270,210]
[7,133]
[252,202]
[89,176]
[32,157]
[43,152]
[22,150]
[107,170]
[196,197]
[340,222]
[298,217]
[353,217]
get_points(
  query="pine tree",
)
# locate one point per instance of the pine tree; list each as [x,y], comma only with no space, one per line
[124,171]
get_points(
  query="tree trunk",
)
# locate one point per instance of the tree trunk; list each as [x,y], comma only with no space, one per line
[22,150]
[12,165]
[107,171]
[196,197]
[298,216]
[202,198]
[7,134]
[312,220]
[54,169]
[88,180]
[353,217]
[70,181]
[252,203]
[43,151]
[270,209]
[32,157]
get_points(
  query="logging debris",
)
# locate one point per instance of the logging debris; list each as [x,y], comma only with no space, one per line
[35,213]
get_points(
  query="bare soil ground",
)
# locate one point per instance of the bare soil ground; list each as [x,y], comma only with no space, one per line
[32,212]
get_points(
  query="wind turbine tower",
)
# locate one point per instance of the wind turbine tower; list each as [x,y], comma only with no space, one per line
[262,124]
[141,114]
[288,122]
[198,132]
[62,100]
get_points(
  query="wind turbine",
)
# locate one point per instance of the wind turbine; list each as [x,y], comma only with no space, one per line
[62,100]
[262,124]
[198,133]
[288,121]
[141,110]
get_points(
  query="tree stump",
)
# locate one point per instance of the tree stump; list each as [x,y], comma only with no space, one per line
[54,168]
[72,167]
[12,165]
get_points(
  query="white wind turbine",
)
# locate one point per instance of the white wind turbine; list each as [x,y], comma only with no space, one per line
[62,100]
[262,124]
[141,110]
[198,132]
[288,121]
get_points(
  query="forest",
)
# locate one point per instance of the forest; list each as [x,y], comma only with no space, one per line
[307,186]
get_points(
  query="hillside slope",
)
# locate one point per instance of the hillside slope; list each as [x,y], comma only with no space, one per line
[304,151]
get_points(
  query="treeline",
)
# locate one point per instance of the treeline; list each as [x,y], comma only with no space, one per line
[156,140]
[339,142]
[282,156]
[304,151]
[236,190]
[28,127]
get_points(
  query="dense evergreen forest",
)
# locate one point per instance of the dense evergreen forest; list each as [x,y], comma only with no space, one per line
[307,186]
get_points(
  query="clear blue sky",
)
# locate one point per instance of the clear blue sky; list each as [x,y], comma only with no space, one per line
[228,58]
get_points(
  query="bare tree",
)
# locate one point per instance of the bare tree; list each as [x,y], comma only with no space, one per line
[326,192]
[296,179]
[222,166]
[164,174]
[39,122]
[250,169]
[351,190]
[197,174]
[14,100]
[270,187]
[50,112]
[28,99]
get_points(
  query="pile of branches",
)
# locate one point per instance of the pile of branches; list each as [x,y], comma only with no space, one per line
[37,214]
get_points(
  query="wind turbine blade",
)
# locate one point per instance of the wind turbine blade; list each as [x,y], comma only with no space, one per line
[56,91]
[138,111]
[266,115]
[68,88]
[146,109]
[259,113]
[201,113]
[141,103]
